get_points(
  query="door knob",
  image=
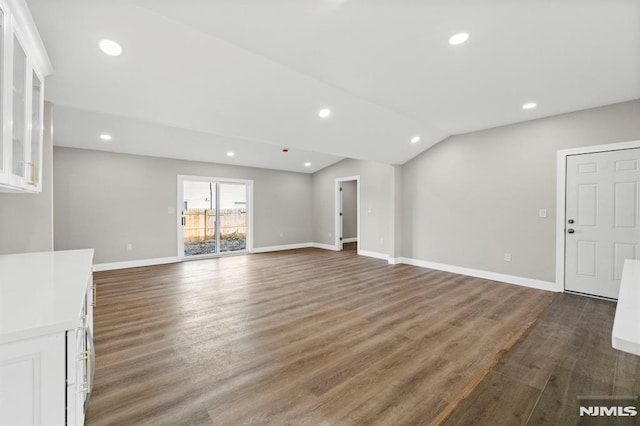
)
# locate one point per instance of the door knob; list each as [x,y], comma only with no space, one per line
[571,231]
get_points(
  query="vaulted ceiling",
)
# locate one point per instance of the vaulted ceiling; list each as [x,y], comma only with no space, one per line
[198,78]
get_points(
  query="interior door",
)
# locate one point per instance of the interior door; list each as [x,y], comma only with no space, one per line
[603,220]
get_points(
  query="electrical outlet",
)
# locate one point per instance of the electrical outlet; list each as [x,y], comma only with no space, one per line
[542,213]
[507,257]
[129,247]
[381,241]
[281,234]
[329,233]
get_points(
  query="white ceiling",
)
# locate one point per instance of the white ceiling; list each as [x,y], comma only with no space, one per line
[199,78]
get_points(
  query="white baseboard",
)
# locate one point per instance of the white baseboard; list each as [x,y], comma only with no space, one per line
[373,254]
[134,263]
[324,246]
[350,240]
[494,276]
[281,248]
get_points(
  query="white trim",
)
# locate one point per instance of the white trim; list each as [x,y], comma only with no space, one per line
[493,276]
[214,255]
[337,207]
[561,190]
[324,246]
[350,240]
[282,247]
[134,263]
[373,254]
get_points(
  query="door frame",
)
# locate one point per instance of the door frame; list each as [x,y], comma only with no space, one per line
[337,204]
[180,204]
[561,196]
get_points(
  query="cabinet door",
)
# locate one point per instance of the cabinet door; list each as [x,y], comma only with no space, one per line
[21,108]
[32,374]
[76,374]
[19,147]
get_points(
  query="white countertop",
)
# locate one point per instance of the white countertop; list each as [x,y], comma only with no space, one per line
[626,325]
[42,293]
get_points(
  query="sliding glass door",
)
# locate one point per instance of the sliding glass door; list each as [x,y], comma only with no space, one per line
[214,216]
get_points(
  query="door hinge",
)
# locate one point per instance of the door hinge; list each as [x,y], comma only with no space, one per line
[340,213]
[340,188]
[340,238]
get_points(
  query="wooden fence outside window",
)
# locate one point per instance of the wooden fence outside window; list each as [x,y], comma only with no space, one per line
[200,224]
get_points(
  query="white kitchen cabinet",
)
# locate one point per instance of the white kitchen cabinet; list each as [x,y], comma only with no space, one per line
[46,346]
[23,66]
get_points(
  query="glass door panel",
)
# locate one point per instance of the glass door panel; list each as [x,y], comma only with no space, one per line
[2,71]
[19,110]
[36,130]
[233,216]
[199,218]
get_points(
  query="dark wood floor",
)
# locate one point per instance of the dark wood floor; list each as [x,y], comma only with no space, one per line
[566,354]
[318,337]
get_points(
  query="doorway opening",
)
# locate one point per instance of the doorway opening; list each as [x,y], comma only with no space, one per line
[598,217]
[347,217]
[215,216]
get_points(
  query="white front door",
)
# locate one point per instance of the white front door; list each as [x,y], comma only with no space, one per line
[602,219]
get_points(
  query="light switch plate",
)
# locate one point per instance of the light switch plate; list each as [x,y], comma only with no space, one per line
[542,213]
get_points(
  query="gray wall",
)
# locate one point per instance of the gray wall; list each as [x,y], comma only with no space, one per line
[107,200]
[472,198]
[376,229]
[26,220]
[349,209]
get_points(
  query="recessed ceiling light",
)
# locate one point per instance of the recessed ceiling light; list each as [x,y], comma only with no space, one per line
[415,139]
[529,105]
[324,113]
[230,154]
[110,47]
[458,38]
[105,137]
[307,164]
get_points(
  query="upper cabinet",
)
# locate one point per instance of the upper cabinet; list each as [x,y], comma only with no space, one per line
[23,65]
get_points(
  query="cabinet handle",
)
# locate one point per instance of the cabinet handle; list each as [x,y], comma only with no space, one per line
[95,297]
[86,386]
[34,174]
